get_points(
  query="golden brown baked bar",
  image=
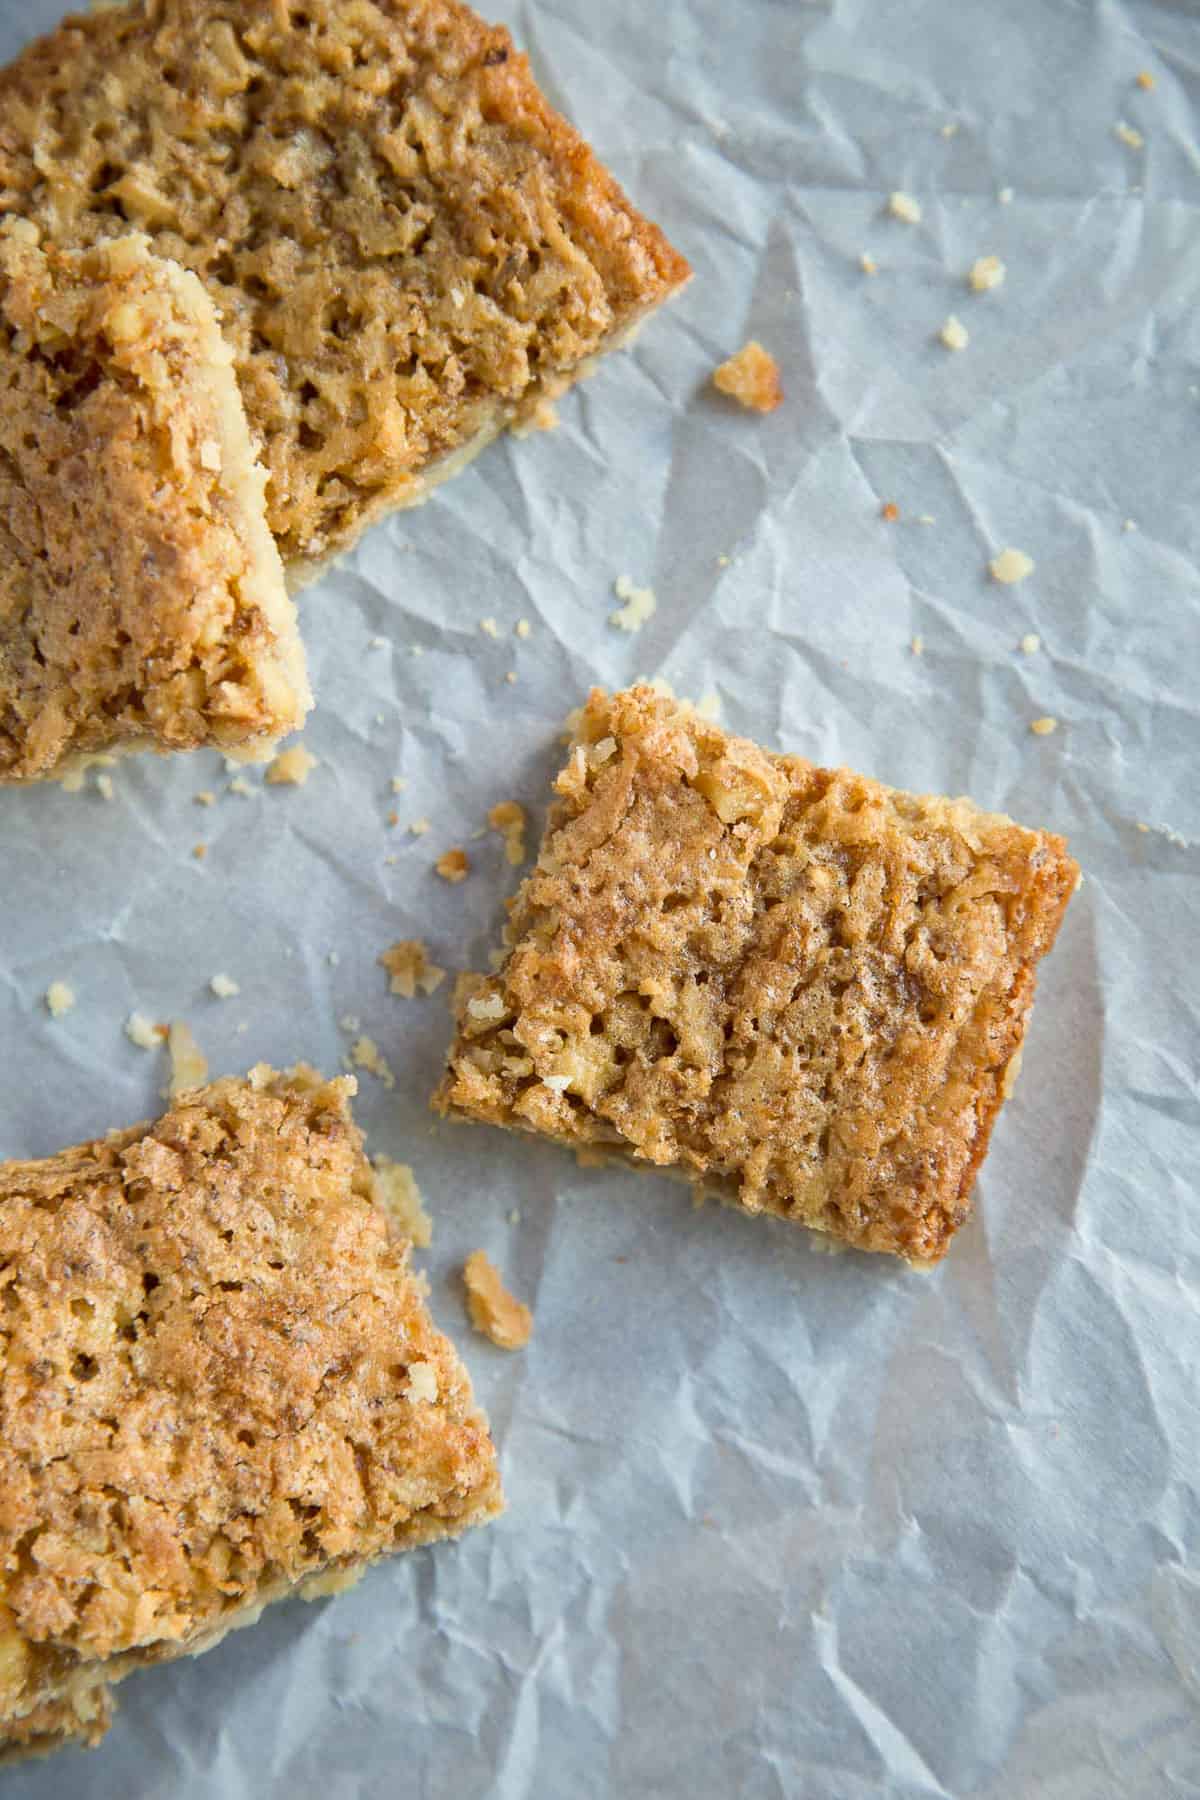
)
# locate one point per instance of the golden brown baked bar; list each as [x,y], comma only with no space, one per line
[409,248]
[220,1386]
[800,989]
[142,600]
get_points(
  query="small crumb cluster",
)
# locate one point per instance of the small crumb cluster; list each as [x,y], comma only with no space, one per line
[751,377]
[640,605]
[1011,566]
[291,768]
[493,1310]
[409,969]
[453,865]
[509,820]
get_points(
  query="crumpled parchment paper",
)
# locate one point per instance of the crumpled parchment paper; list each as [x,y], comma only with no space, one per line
[781,1523]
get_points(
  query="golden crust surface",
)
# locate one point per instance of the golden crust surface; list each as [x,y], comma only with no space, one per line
[407,245]
[219,1379]
[791,983]
[141,598]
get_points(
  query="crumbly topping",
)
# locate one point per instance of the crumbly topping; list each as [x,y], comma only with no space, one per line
[60,998]
[397,1192]
[144,597]
[640,605]
[508,818]
[212,1387]
[954,334]
[189,1065]
[790,982]
[492,1309]
[1011,566]
[453,865]
[409,968]
[986,273]
[903,207]
[224,987]
[406,244]
[751,377]
[292,768]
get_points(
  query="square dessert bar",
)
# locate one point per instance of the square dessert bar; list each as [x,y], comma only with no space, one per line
[142,599]
[799,989]
[220,1386]
[409,248]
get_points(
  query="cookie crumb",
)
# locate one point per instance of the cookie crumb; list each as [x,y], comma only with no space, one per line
[493,1311]
[366,1054]
[954,334]
[1129,135]
[918,646]
[398,784]
[522,628]
[640,605]
[59,998]
[199,851]
[143,1031]
[1011,566]
[291,768]
[1146,80]
[1031,643]
[986,273]
[224,987]
[1043,727]
[239,785]
[510,675]
[926,519]
[489,627]
[409,968]
[751,377]
[377,643]
[204,798]
[189,1065]
[889,511]
[419,827]
[508,819]
[867,264]
[1129,525]
[453,865]
[396,1191]
[902,206]
[1005,196]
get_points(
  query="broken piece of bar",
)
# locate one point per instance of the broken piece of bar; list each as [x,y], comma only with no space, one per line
[791,985]
[221,1386]
[409,248]
[142,600]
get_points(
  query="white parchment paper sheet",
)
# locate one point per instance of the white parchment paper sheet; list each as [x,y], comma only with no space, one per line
[781,1524]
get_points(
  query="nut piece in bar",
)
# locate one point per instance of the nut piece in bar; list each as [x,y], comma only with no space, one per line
[409,249]
[797,988]
[221,1386]
[142,600]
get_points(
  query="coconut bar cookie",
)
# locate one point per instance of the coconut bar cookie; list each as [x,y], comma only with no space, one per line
[142,601]
[800,989]
[221,1386]
[409,248]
